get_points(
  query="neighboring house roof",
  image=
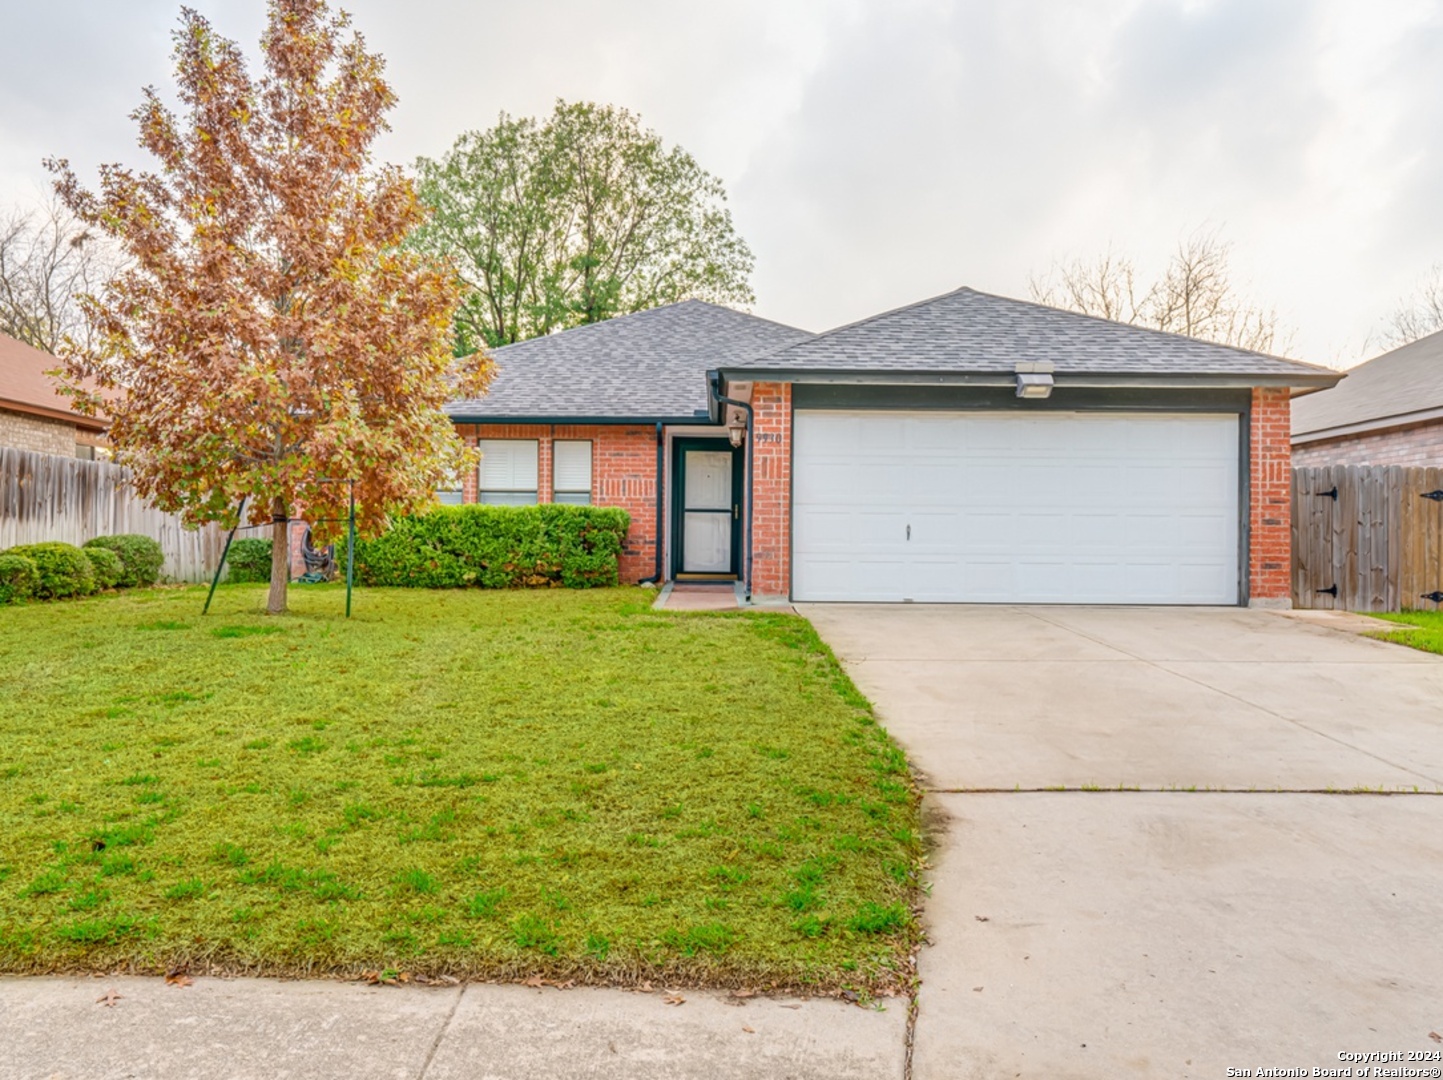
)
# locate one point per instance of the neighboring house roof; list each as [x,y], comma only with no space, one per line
[970,332]
[24,386]
[1400,387]
[651,365]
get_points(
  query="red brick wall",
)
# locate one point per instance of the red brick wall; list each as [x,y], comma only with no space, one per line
[1419,444]
[772,489]
[623,473]
[1270,464]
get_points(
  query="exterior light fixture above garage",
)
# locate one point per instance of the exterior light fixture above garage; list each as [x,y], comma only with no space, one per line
[1034,379]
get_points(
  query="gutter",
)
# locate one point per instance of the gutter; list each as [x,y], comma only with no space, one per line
[1366,427]
[655,578]
[1063,380]
[713,380]
[576,421]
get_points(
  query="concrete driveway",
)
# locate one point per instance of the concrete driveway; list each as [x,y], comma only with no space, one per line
[1146,864]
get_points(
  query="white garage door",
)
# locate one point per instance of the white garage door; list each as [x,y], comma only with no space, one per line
[1003,507]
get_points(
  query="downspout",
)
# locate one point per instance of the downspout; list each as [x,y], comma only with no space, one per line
[713,383]
[655,578]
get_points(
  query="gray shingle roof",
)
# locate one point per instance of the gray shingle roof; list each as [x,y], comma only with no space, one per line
[650,365]
[1387,389]
[970,331]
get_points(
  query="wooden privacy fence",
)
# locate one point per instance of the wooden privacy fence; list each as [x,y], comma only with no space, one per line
[1367,537]
[45,497]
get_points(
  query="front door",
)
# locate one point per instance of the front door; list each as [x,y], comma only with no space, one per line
[708,474]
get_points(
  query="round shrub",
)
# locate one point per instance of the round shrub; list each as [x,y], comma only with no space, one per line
[107,566]
[140,558]
[63,568]
[249,560]
[19,577]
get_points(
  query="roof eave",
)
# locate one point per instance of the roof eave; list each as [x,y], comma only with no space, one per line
[1211,380]
[1363,427]
[467,418]
[89,423]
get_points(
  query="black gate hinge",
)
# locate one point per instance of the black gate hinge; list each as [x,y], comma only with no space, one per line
[1436,596]
[1329,494]
[1331,590]
[1436,496]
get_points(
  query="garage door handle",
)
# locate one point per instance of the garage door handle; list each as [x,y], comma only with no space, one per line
[909,532]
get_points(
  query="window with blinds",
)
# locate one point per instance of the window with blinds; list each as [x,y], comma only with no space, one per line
[508,471]
[572,471]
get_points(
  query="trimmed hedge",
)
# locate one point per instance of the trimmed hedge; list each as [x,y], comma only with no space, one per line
[63,568]
[497,547]
[249,560]
[140,558]
[19,577]
[107,566]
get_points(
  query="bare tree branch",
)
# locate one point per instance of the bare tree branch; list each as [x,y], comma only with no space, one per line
[1194,296]
[48,260]
[1420,314]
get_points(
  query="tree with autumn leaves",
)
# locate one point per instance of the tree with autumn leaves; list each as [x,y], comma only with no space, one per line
[270,332]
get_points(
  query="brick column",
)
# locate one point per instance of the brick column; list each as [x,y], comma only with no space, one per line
[470,481]
[1270,511]
[772,489]
[544,485]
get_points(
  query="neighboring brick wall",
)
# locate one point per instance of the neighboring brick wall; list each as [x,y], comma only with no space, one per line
[772,489]
[1269,515]
[623,473]
[1418,444]
[24,432]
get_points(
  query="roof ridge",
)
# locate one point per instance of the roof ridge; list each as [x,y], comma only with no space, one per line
[644,312]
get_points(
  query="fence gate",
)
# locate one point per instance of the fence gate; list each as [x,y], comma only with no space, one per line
[1367,537]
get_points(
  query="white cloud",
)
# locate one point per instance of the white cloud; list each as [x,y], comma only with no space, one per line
[878,152]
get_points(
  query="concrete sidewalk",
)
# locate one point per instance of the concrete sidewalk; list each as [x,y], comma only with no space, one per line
[55,1029]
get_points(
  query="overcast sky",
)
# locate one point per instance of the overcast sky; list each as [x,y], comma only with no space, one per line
[881,151]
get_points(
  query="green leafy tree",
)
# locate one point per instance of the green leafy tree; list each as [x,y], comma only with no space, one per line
[574,219]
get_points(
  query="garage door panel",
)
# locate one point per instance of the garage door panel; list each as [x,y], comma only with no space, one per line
[1016,507]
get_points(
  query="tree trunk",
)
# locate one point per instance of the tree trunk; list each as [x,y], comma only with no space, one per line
[280,558]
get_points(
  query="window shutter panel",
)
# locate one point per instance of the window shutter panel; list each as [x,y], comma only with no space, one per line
[508,464]
[573,466]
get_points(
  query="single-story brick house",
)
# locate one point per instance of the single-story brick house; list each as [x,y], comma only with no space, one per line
[1388,411]
[34,415]
[968,448]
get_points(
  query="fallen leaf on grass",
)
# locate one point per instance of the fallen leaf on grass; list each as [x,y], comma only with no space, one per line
[108,999]
[534,981]
[644,988]
[177,977]
[673,998]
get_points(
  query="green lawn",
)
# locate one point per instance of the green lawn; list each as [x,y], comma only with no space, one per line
[1423,629]
[485,784]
